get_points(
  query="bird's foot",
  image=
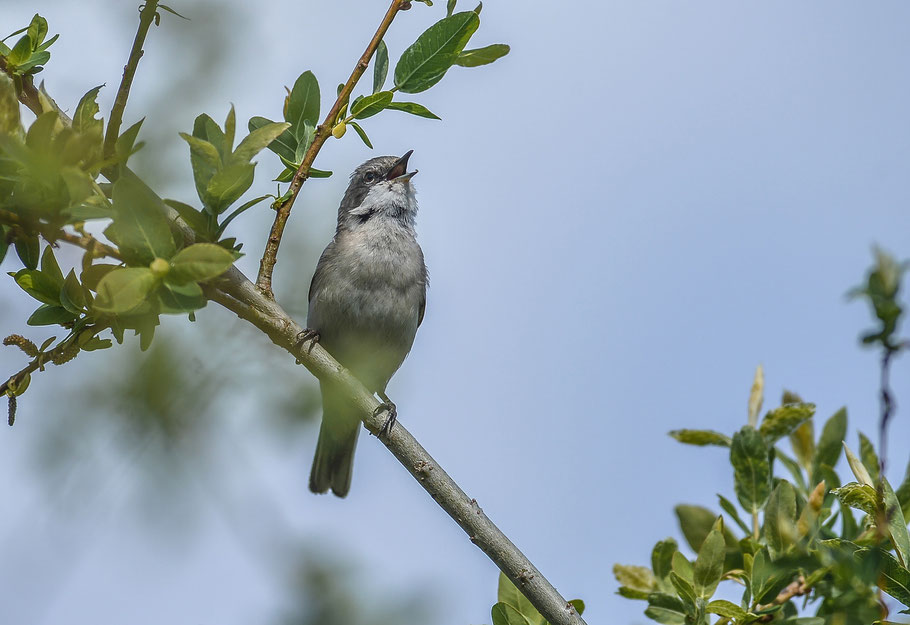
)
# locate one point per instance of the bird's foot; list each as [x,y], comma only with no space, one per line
[308,335]
[387,406]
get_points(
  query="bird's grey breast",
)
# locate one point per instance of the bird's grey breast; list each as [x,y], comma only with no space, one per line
[368,294]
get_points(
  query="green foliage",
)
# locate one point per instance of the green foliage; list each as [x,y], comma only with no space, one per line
[30,52]
[805,553]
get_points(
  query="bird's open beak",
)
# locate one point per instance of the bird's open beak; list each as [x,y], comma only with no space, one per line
[399,170]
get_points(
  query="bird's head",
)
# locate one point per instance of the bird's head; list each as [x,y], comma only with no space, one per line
[380,188]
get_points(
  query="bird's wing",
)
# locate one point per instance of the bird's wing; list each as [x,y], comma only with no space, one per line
[421,308]
[319,274]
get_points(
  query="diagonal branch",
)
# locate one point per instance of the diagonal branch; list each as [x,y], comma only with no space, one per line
[242,297]
[146,17]
[283,209]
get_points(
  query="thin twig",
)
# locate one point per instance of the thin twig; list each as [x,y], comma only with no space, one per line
[146,17]
[283,209]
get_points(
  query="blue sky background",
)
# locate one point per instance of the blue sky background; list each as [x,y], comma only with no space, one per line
[622,218]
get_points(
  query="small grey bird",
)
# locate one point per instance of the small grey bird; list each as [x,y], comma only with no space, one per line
[367,300]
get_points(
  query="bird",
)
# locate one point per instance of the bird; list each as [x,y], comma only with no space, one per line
[366,300]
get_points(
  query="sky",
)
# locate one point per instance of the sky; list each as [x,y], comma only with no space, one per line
[622,219]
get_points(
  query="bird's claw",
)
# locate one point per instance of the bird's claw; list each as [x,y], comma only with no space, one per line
[389,407]
[308,335]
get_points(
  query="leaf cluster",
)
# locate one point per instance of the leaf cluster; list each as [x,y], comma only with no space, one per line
[791,541]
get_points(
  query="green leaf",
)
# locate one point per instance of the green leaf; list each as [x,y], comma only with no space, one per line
[285,145]
[126,141]
[258,140]
[361,133]
[730,509]
[862,475]
[427,60]
[635,577]
[48,315]
[662,558]
[482,56]
[228,185]
[20,52]
[867,453]
[413,108]
[785,419]
[205,160]
[50,268]
[767,579]
[792,467]
[92,275]
[84,118]
[701,437]
[632,593]
[450,7]
[37,30]
[177,299]
[371,104]
[28,248]
[72,297]
[780,519]
[897,524]
[165,7]
[504,614]
[751,469]
[508,594]
[726,608]
[380,66]
[303,103]
[902,493]
[830,442]
[9,105]
[124,289]
[709,565]
[201,261]
[681,567]
[579,605]
[856,495]
[695,522]
[39,285]
[666,609]
[140,228]
[893,578]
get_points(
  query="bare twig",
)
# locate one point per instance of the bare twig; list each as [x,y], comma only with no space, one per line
[146,17]
[887,406]
[283,209]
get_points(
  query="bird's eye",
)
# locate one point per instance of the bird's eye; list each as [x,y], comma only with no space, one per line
[369,177]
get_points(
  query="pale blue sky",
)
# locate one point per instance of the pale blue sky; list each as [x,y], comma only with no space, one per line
[622,218]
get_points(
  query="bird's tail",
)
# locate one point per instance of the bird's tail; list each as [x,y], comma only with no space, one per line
[334,459]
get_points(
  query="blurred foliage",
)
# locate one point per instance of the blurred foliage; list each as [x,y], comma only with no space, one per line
[793,549]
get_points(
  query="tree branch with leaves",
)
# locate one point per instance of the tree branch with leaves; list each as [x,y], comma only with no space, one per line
[165,256]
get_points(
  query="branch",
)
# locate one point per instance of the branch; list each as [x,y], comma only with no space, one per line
[28,95]
[243,298]
[283,210]
[255,304]
[146,17]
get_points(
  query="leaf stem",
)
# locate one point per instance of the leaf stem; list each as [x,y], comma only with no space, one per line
[755,533]
[146,17]
[323,132]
